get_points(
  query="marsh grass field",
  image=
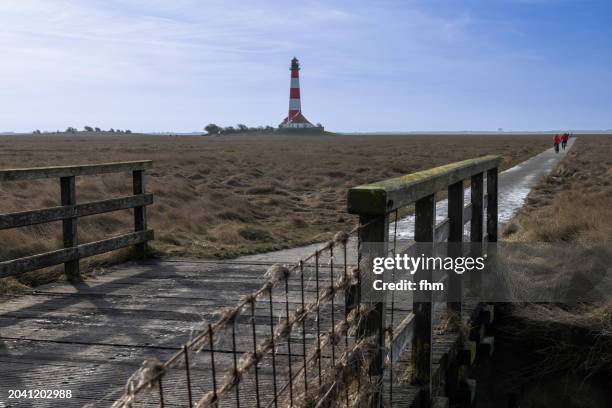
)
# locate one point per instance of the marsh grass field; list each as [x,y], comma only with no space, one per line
[220,197]
[560,354]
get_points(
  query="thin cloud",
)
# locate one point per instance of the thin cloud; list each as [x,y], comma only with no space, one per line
[177,65]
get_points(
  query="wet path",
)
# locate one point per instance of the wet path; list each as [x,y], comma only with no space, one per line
[514,186]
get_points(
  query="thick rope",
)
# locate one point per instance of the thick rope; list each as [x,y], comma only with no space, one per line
[148,374]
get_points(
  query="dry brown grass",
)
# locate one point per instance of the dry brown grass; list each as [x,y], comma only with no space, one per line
[230,195]
[573,205]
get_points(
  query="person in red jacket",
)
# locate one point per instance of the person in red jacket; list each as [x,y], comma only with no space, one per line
[564,140]
[556,141]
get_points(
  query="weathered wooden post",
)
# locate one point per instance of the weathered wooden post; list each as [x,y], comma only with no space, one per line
[140,212]
[372,208]
[492,222]
[374,237]
[492,215]
[422,306]
[476,227]
[69,227]
[455,249]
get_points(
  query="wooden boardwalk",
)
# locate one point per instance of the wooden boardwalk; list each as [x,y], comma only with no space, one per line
[90,337]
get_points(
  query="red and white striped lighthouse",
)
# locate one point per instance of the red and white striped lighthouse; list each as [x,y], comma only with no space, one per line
[295,119]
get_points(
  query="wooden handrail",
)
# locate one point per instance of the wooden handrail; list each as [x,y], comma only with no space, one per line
[41,216]
[31,263]
[388,195]
[375,202]
[71,171]
[69,213]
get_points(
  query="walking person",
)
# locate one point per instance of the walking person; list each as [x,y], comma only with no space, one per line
[564,140]
[556,141]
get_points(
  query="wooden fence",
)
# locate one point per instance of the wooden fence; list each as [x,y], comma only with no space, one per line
[69,212]
[375,203]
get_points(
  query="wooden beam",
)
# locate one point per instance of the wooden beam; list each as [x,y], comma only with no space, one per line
[477,226]
[402,336]
[422,305]
[140,212]
[491,201]
[72,171]
[477,207]
[455,249]
[30,263]
[385,196]
[69,227]
[41,216]
[373,242]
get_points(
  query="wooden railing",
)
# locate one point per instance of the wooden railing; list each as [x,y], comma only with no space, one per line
[69,212]
[374,203]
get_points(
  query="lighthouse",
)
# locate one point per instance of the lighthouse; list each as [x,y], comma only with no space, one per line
[295,119]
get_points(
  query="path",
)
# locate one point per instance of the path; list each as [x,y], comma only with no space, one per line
[514,186]
[89,337]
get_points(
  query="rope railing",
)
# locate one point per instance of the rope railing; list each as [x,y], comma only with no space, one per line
[297,344]
[287,327]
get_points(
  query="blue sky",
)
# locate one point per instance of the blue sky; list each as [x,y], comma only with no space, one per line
[176,65]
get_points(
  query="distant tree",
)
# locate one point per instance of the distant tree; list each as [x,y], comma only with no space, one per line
[71,129]
[36,132]
[111,130]
[128,131]
[88,128]
[97,129]
[242,128]
[268,127]
[212,129]
[229,129]
[319,125]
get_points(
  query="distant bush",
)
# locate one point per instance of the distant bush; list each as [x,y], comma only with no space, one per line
[213,129]
[88,128]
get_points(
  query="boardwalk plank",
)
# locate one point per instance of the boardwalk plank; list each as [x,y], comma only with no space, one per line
[91,337]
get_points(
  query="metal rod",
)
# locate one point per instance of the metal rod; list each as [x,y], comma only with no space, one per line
[289,356]
[333,295]
[318,317]
[303,328]
[161,393]
[346,389]
[256,368]
[273,349]
[212,362]
[237,385]
[358,296]
[186,354]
